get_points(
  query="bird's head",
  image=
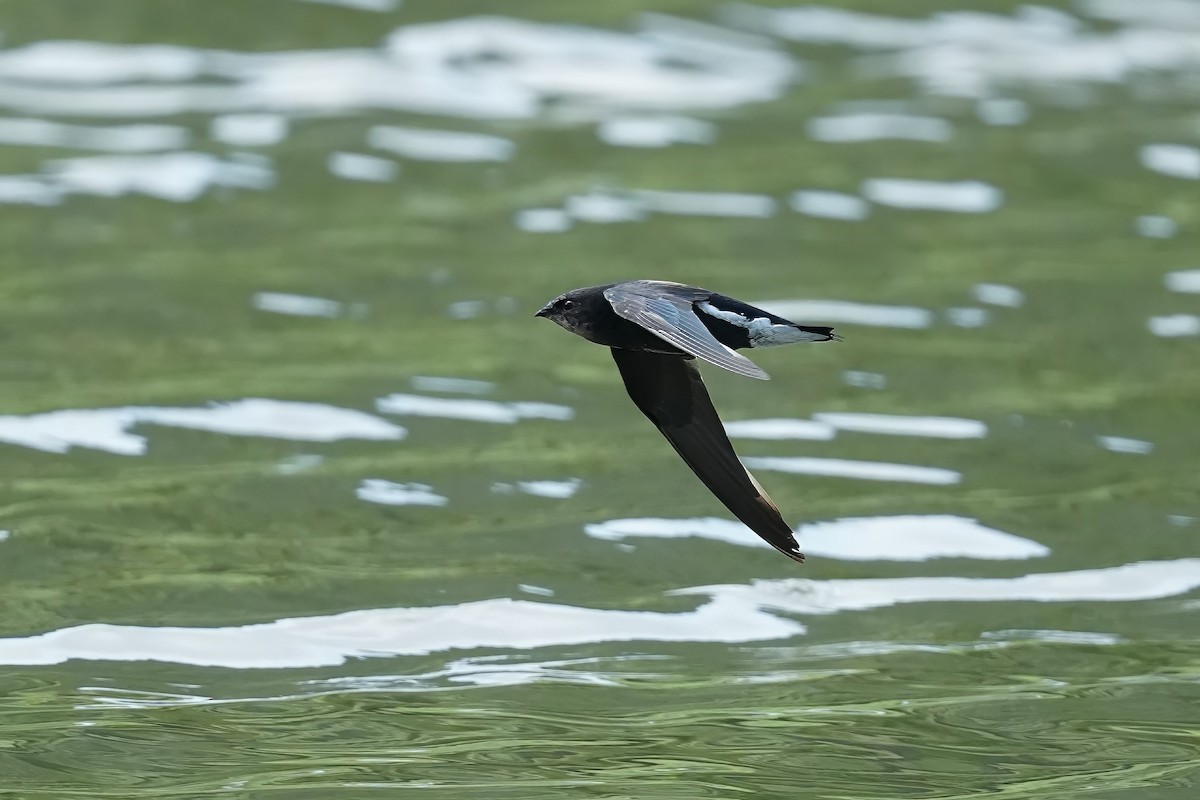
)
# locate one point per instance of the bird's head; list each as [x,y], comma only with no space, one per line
[570,309]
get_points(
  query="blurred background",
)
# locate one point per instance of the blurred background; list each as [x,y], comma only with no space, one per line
[300,501]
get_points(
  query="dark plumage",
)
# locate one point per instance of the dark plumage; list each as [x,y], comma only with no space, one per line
[656,329]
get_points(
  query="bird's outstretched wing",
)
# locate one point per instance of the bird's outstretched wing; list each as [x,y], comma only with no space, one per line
[672,318]
[669,391]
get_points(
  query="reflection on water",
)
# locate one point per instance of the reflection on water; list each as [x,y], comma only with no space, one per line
[353,207]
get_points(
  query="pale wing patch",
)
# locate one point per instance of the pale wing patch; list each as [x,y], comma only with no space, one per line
[673,320]
[762,332]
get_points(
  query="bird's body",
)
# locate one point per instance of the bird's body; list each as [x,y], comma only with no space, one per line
[656,329]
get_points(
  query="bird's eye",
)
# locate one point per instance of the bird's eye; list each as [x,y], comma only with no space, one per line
[568,304]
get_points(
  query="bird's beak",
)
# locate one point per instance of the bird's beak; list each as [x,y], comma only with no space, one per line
[543,312]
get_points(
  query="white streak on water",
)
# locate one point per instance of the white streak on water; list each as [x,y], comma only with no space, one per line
[360,167]
[605,207]
[362,5]
[1052,637]
[34,190]
[867,127]
[1175,160]
[558,490]
[1146,580]
[1168,13]
[706,204]
[95,63]
[249,130]
[830,205]
[1155,226]
[333,639]
[431,383]
[540,591]
[375,490]
[1174,325]
[1121,444]
[963,197]
[900,425]
[652,131]
[1002,111]
[734,613]
[543,220]
[107,428]
[178,177]
[887,538]
[780,429]
[864,380]
[1187,281]
[841,311]
[425,144]
[296,304]
[997,294]
[478,410]
[113,139]
[862,470]
[967,317]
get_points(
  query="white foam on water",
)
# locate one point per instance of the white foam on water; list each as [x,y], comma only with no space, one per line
[465,309]
[296,304]
[869,127]
[361,167]
[1121,444]
[862,470]
[997,294]
[653,131]
[431,383]
[540,591]
[1155,226]
[1174,325]
[1175,160]
[178,177]
[1002,111]
[1174,13]
[842,311]
[706,204]
[605,207]
[901,425]
[95,63]
[543,220]
[1147,580]
[734,613]
[107,428]
[980,55]
[1053,636]
[333,639]
[780,429]
[864,380]
[361,5]
[477,410]
[1187,281]
[376,490]
[963,197]
[886,538]
[33,190]
[249,130]
[113,139]
[558,490]
[425,144]
[829,205]
[968,317]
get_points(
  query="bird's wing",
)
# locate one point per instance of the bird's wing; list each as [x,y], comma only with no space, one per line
[669,316]
[669,391]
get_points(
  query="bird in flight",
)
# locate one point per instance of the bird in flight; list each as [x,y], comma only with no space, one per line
[656,330]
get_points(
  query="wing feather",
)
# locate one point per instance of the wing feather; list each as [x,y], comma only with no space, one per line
[671,317]
[669,391]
